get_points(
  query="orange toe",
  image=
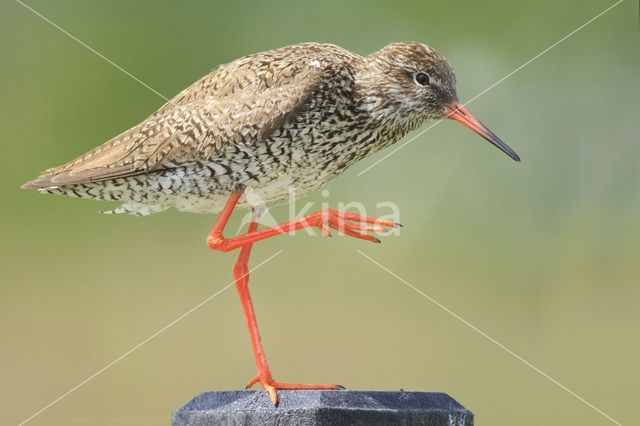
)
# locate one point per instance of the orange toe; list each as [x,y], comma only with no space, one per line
[271,386]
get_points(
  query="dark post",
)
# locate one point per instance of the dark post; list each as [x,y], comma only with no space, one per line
[321,407]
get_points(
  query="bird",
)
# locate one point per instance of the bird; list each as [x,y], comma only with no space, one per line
[255,129]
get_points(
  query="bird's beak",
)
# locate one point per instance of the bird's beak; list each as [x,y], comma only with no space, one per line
[456,111]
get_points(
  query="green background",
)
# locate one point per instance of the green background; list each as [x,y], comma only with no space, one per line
[543,256]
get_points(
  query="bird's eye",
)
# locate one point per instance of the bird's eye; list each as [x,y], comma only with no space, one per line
[422,79]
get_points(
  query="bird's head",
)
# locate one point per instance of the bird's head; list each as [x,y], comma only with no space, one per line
[409,83]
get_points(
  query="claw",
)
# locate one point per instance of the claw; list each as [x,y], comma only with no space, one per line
[325,231]
[273,395]
[252,382]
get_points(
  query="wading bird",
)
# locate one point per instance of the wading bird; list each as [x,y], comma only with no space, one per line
[293,117]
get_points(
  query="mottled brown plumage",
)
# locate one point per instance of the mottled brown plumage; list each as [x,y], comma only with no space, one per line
[268,123]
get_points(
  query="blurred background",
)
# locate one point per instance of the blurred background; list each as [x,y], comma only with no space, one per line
[543,256]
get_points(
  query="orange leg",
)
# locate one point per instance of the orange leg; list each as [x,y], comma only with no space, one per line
[328,218]
[241,275]
[331,218]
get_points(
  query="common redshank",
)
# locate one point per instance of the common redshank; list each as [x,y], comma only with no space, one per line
[267,125]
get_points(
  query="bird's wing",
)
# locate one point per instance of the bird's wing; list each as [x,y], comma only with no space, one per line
[192,127]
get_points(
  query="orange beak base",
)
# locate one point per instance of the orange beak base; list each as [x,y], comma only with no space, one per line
[456,111]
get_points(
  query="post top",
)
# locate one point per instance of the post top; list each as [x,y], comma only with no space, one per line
[323,407]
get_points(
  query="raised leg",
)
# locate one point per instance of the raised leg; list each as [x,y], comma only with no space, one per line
[344,222]
[241,276]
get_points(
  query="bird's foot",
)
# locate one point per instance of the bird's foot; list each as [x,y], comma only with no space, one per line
[271,386]
[351,224]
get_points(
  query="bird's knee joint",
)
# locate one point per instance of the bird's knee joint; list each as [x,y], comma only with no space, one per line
[217,242]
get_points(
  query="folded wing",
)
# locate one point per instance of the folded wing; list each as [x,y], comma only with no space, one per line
[225,107]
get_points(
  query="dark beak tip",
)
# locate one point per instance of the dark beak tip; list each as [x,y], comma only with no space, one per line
[515,157]
[512,154]
[459,113]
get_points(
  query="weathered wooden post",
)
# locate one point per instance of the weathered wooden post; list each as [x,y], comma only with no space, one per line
[321,407]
